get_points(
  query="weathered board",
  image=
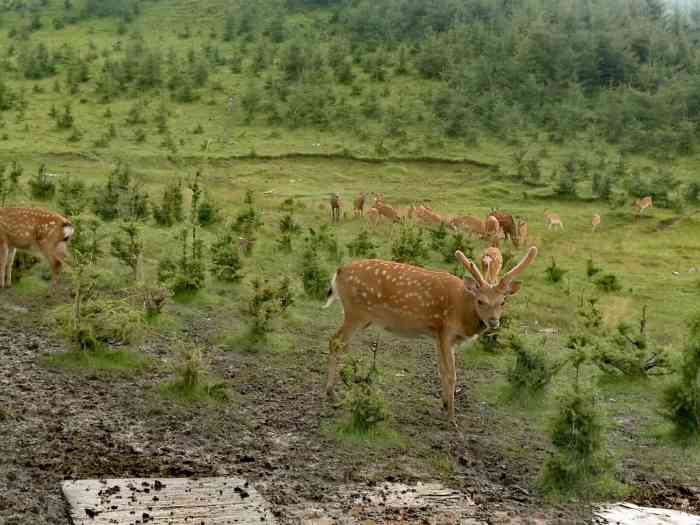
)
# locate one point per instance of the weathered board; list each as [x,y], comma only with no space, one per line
[172,501]
[630,514]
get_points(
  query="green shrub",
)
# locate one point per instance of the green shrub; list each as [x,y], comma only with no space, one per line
[591,269]
[263,306]
[314,276]
[533,370]
[363,401]
[127,246]
[170,211]
[409,247]
[681,400]
[72,196]
[579,464]
[226,264]
[362,246]
[608,283]
[42,187]
[186,272]
[554,274]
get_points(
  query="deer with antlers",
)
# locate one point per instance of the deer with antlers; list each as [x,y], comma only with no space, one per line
[413,301]
[358,204]
[642,204]
[33,229]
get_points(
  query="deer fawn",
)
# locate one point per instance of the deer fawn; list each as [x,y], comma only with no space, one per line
[553,220]
[491,264]
[642,204]
[32,229]
[413,301]
[595,221]
[359,204]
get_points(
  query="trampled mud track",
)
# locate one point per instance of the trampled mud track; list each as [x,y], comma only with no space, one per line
[57,425]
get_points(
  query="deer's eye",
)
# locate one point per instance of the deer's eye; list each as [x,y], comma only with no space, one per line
[481,303]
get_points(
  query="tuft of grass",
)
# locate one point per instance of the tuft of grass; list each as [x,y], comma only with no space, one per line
[100,360]
[380,437]
[192,382]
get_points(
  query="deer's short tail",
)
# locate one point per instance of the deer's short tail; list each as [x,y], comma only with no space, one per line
[332,292]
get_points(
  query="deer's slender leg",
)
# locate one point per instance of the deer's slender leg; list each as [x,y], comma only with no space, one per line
[337,346]
[10,262]
[4,255]
[449,380]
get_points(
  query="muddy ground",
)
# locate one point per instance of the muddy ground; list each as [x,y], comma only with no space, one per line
[57,425]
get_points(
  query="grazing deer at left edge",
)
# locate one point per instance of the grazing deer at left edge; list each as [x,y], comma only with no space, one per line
[413,301]
[33,229]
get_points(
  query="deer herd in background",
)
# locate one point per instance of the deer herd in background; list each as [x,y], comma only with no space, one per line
[401,298]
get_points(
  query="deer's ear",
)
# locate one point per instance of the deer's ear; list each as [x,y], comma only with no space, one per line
[471,286]
[514,287]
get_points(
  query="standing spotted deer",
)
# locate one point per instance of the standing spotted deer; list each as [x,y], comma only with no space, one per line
[336,206]
[491,264]
[552,220]
[358,204]
[414,302]
[33,229]
[384,210]
[642,204]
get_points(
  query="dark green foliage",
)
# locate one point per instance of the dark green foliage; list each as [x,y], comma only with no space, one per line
[692,193]
[533,369]
[314,276]
[608,283]
[248,220]
[409,247]
[681,400]
[72,196]
[362,246]
[631,353]
[127,246]
[364,400]
[207,213]
[186,271]
[170,211]
[226,264]
[42,187]
[554,273]
[265,304]
[65,120]
[85,244]
[121,197]
[591,269]
[579,463]
[9,181]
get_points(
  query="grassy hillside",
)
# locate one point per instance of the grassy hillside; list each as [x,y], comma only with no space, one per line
[96,102]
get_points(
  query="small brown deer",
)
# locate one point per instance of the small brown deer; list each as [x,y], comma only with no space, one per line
[595,221]
[473,225]
[491,264]
[642,204]
[33,229]
[426,216]
[522,233]
[552,220]
[336,206]
[413,301]
[384,210]
[358,204]
[493,231]
[507,224]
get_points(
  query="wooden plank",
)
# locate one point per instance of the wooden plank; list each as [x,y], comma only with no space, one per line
[172,501]
[630,514]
